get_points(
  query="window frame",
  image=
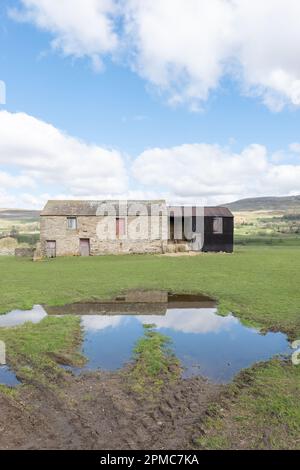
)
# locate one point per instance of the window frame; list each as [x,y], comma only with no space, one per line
[72,218]
[218,230]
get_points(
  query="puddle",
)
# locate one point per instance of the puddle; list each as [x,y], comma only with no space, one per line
[7,377]
[206,343]
[19,317]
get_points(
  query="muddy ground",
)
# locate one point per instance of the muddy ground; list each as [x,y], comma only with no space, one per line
[100,411]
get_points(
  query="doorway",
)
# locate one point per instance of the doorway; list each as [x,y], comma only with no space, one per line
[51,248]
[84,247]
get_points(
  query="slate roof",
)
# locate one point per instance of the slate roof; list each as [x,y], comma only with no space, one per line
[89,208]
[112,207]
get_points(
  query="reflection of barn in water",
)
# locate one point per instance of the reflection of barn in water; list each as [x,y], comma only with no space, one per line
[135,303]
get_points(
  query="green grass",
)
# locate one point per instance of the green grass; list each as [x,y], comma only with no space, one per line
[154,362]
[29,238]
[33,349]
[269,240]
[261,410]
[267,228]
[259,284]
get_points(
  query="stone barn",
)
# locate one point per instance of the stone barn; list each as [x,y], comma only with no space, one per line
[89,228]
[100,227]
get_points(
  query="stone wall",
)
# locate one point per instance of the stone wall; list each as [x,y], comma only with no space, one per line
[24,252]
[8,246]
[143,234]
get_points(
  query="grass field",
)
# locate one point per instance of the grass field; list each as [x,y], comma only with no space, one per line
[259,284]
[267,227]
[24,226]
[260,410]
[34,349]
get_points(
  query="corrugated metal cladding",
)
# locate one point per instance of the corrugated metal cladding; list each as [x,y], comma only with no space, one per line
[208,211]
[221,240]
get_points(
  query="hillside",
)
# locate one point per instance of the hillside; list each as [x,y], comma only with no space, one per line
[266,204]
[19,214]
[22,225]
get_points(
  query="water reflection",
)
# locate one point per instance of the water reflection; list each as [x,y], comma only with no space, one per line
[207,344]
[7,377]
[214,346]
[19,317]
[189,322]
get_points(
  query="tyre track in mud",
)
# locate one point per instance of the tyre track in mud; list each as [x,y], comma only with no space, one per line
[100,411]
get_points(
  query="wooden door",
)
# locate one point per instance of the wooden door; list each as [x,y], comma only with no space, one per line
[84,247]
[120,227]
[51,249]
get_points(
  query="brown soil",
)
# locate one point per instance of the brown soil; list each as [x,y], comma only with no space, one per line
[99,411]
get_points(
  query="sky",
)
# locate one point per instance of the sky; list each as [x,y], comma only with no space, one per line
[194,101]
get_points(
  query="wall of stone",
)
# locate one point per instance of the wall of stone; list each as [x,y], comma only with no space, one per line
[143,234]
[8,246]
[24,252]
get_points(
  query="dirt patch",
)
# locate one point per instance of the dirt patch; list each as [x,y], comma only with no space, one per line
[100,411]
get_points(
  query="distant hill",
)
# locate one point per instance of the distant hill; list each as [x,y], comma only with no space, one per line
[269,203]
[266,203]
[19,214]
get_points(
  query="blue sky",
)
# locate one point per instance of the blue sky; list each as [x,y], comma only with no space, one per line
[126,109]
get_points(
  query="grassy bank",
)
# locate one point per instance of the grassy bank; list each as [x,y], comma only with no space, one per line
[260,284]
[154,361]
[34,350]
[260,410]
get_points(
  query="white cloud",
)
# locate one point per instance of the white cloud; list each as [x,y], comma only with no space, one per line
[40,162]
[184,47]
[9,181]
[192,321]
[93,323]
[207,322]
[187,47]
[35,153]
[19,317]
[213,174]
[181,46]
[80,27]
[7,200]
[267,36]
[295,147]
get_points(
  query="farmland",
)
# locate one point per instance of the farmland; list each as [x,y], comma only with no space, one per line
[258,283]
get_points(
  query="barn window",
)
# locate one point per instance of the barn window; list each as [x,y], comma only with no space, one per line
[120,226]
[72,223]
[218,225]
